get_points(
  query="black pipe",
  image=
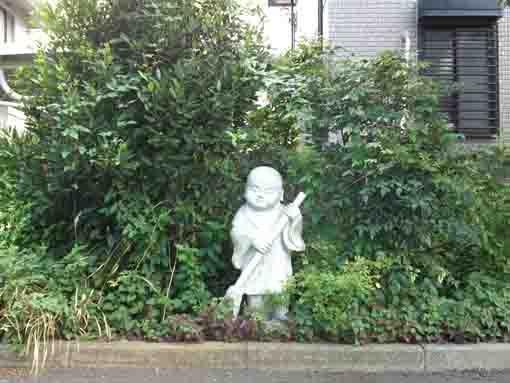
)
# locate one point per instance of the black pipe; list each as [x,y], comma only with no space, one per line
[292,25]
[321,20]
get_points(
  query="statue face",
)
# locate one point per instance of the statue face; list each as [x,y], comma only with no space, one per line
[264,189]
[263,196]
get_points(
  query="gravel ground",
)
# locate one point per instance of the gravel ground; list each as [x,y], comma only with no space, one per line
[241,376]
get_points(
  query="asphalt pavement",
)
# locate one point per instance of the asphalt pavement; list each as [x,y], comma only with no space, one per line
[155,375]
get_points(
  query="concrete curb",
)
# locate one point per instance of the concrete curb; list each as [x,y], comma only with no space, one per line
[482,356]
[275,356]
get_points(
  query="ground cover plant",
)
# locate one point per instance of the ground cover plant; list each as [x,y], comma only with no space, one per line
[115,206]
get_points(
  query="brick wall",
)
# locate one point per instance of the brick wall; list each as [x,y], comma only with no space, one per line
[504,76]
[364,27]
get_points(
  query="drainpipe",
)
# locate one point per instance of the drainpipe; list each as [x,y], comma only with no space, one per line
[292,24]
[407,45]
[417,34]
[320,28]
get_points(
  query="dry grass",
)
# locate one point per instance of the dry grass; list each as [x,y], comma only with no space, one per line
[39,326]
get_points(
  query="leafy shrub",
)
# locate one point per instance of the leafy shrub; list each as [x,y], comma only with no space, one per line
[130,128]
[488,176]
[42,300]
[477,313]
[287,97]
[384,187]
[128,300]
[143,125]
[404,307]
[15,214]
[394,185]
[324,300]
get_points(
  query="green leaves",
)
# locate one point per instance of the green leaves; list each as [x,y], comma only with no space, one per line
[145,120]
[129,124]
[394,186]
[327,301]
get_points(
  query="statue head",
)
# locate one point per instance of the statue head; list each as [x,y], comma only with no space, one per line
[264,188]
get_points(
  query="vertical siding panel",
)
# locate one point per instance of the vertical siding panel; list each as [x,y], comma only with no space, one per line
[504,76]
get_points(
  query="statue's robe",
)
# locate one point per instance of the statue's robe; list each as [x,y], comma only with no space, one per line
[275,267]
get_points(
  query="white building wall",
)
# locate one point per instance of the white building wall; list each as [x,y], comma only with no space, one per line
[277,28]
[11,117]
[308,19]
[20,41]
[365,27]
[277,22]
[22,36]
[21,32]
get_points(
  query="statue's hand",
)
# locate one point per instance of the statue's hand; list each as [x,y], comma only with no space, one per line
[262,245]
[292,211]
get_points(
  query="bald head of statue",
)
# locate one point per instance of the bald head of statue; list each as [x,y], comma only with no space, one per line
[264,188]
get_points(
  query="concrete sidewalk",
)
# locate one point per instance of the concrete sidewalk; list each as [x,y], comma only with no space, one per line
[276,356]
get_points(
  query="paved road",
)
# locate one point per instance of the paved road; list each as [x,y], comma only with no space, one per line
[242,376]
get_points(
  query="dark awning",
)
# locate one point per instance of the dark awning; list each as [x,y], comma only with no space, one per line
[459,8]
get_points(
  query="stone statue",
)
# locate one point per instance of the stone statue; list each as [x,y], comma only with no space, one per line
[264,232]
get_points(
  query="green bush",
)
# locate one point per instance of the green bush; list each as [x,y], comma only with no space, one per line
[142,128]
[488,176]
[15,214]
[323,301]
[395,185]
[130,151]
[379,302]
[42,300]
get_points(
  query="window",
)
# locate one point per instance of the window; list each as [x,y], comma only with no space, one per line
[465,61]
[7,26]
